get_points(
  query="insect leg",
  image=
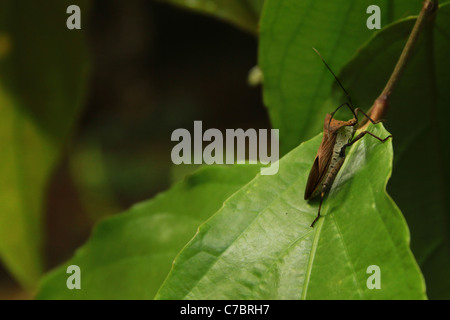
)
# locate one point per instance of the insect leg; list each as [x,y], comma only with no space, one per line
[322,195]
[358,137]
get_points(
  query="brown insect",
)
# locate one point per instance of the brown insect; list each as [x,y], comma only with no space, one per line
[337,136]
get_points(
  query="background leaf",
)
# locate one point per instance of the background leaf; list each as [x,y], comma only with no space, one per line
[128,256]
[42,73]
[296,83]
[417,118]
[242,13]
[260,246]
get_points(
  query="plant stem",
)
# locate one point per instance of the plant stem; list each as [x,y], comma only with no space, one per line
[380,106]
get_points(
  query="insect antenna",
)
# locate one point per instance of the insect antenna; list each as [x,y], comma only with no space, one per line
[350,103]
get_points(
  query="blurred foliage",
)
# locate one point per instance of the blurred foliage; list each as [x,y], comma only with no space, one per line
[140,89]
[42,76]
[242,13]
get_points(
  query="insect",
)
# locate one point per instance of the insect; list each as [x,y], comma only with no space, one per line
[337,136]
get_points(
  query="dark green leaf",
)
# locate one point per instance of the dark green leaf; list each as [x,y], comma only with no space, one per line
[296,83]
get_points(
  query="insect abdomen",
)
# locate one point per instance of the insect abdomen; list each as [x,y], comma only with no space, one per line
[344,135]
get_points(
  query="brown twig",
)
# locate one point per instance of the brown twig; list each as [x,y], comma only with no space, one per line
[380,106]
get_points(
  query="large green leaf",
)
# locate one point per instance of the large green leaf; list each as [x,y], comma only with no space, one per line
[42,71]
[417,117]
[259,245]
[129,256]
[242,13]
[295,81]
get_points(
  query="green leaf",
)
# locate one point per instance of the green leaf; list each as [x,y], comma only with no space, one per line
[128,256]
[259,245]
[417,117]
[242,13]
[42,73]
[296,83]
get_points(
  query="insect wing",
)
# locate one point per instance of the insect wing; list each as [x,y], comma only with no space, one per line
[320,165]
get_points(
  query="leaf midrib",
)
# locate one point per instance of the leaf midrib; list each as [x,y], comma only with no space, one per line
[312,254]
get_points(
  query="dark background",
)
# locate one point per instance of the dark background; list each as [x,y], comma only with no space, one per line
[154,68]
